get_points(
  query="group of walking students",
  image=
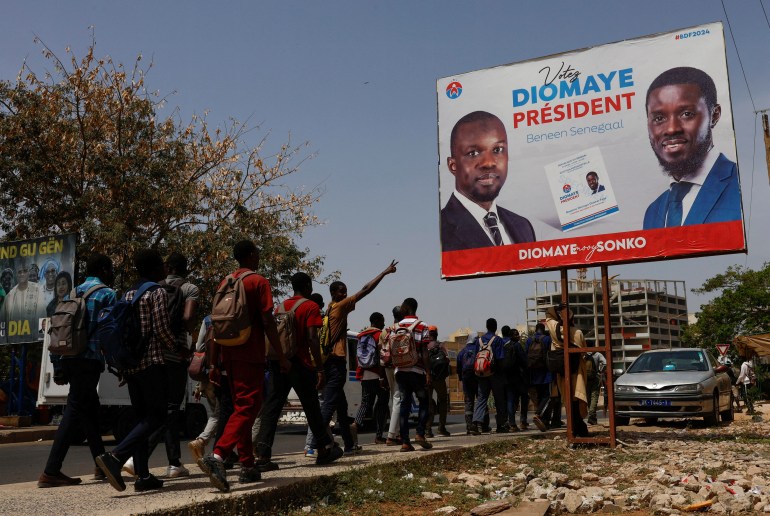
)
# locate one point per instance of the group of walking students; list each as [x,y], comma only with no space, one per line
[249,354]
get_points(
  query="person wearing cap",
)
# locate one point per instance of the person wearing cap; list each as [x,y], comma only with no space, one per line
[438,385]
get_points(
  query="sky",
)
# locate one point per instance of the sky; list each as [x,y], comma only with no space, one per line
[357,80]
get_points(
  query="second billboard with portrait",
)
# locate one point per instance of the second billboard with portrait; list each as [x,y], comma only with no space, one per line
[618,153]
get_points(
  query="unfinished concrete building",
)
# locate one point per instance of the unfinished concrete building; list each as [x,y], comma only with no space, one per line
[644,314]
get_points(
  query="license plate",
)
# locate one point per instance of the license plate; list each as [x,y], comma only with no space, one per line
[655,403]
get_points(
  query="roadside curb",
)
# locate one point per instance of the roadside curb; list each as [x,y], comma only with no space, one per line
[27,435]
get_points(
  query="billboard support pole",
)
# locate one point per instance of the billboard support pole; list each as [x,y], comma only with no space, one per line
[608,385]
[606,349]
[567,378]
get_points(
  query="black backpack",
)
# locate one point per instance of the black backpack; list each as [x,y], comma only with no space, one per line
[175,305]
[509,364]
[536,353]
[439,363]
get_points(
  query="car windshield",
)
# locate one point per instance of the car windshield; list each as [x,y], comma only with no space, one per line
[672,361]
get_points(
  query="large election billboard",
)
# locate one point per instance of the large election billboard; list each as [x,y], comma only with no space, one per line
[34,274]
[618,153]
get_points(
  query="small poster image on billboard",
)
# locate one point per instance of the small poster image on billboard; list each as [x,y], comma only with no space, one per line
[619,153]
[34,275]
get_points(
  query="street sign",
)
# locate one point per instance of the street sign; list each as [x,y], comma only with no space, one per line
[722,348]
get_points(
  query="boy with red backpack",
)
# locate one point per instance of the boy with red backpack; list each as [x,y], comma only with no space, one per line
[490,379]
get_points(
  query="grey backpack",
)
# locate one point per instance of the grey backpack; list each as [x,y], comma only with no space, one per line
[69,324]
[287,330]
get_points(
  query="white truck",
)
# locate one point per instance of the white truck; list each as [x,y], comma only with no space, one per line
[117,417]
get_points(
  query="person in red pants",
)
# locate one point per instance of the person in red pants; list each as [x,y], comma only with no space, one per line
[245,366]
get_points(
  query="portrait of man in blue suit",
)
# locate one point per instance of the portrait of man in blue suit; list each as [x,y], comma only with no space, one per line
[682,110]
[479,161]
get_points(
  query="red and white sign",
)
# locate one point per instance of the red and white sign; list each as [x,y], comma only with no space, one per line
[561,161]
[722,348]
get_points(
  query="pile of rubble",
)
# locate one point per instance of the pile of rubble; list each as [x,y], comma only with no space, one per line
[656,472]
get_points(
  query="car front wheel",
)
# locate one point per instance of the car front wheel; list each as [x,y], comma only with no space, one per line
[713,418]
[729,414]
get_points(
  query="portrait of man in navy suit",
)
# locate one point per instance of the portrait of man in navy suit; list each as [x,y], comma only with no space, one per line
[682,110]
[479,161]
[592,179]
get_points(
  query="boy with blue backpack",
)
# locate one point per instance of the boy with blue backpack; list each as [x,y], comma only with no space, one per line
[133,336]
[374,387]
[466,359]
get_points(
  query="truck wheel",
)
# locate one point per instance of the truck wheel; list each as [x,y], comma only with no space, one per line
[195,417]
[123,424]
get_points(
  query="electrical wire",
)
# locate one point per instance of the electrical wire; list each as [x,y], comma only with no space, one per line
[763,10]
[732,36]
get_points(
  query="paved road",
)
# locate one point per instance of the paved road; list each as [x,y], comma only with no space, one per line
[23,462]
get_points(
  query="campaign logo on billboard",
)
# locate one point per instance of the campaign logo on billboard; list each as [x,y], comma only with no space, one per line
[566,188]
[454,90]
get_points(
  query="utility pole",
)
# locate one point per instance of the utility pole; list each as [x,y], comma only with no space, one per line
[766,128]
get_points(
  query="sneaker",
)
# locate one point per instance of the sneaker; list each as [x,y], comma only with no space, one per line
[57,480]
[99,474]
[329,455]
[486,430]
[149,483]
[249,476]
[380,440]
[393,441]
[473,429]
[443,432]
[502,430]
[128,467]
[197,448]
[231,460]
[407,448]
[513,428]
[523,426]
[423,442]
[265,465]
[352,450]
[177,471]
[539,423]
[429,434]
[592,421]
[215,469]
[310,452]
[110,465]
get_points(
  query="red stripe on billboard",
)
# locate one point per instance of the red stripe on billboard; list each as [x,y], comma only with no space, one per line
[631,246]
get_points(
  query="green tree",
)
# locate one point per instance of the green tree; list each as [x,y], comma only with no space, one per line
[741,307]
[84,149]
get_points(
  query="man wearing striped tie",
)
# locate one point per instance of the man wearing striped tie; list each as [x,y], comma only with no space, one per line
[479,161]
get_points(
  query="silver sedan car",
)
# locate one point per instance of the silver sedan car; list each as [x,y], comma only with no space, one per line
[675,383]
